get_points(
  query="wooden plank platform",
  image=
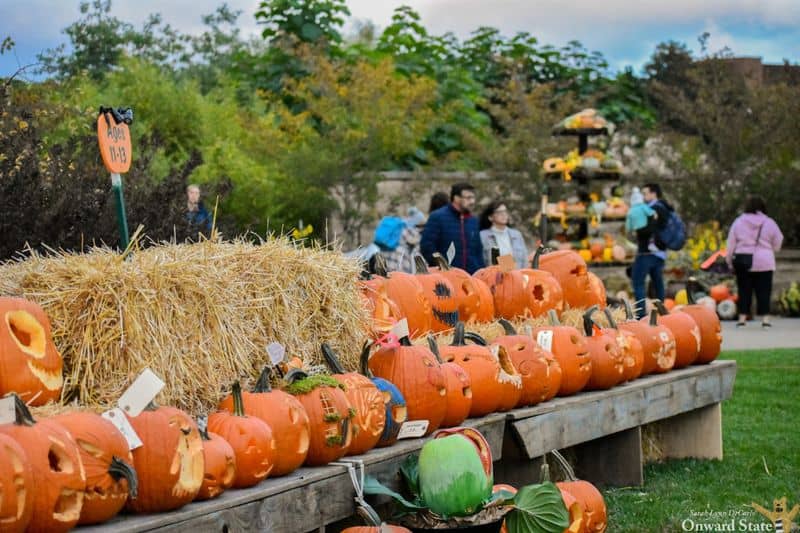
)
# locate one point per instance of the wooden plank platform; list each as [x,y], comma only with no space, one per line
[604,423]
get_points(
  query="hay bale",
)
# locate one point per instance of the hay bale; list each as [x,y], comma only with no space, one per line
[199,315]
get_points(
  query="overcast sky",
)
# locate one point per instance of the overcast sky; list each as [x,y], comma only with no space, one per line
[625,31]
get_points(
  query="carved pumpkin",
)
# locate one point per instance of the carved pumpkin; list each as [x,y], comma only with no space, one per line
[570,349]
[329,413]
[285,415]
[251,439]
[406,291]
[107,462]
[607,360]
[58,476]
[394,404]
[30,365]
[594,506]
[538,369]
[380,528]
[686,332]
[710,330]
[441,294]
[544,291]
[570,270]
[16,487]
[169,462]
[459,392]
[632,352]
[597,291]
[508,288]
[219,466]
[415,372]
[658,342]
[384,312]
[473,297]
[575,510]
[368,402]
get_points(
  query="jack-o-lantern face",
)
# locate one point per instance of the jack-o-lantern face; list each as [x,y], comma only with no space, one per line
[169,462]
[509,290]
[406,291]
[110,478]
[57,470]
[219,465]
[459,389]
[16,486]
[686,332]
[608,366]
[384,312]
[571,351]
[30,365]
[473,298]
[570,270]
[629,345]
[442,296]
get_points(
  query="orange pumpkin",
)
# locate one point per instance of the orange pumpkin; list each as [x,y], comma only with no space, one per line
[459,392]
[219,466]
[169,462]
[607,360]
[632,352]
[384,312]
[686,332]
[597,291]
[285,415]
[415,372]
[570,350]
[570,270]
[406,291]
[16,506]
[575,509]
[658,342]
[30,364]
[508,288]
[544,291]
[107,462]
[365,398]
[473,297]
[719,292]
[595,513]
[59,480]
[329,413]
[441,294]
[710,329]
[251,439]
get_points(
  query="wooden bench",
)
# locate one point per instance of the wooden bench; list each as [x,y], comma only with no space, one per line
[604,430]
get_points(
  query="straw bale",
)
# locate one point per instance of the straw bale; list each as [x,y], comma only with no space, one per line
[199,315]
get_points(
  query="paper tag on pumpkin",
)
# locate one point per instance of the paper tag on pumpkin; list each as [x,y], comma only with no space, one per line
[202,423]
[400,329]
[506,263]
[140,393]
[451,253]
[276,352]
[545,339]
[413,429]
[121,422]
[8,412]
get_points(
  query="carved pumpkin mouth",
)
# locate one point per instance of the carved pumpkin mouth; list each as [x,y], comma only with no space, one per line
[51,379]
[68,506]
[467,392]
[446,317]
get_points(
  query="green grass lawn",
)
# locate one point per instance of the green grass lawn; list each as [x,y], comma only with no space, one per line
[761,443]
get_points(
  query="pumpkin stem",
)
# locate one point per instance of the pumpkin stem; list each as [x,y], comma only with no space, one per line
[368,514]
[263,384]
[653,317]
[441,262]
[435,349]
[23,416]
[587,321]
[495,255]
[294,375]
[421,265]
[405,341]
[628,309]
[690,286]
[544,471]
[660,306]
[330,358]
[380,265]
[238,404]
[364,360]
[535,260]
[611,322]
[119,469]
[458,335]
[564,464]
[477,339]
[507,326]
[553,316]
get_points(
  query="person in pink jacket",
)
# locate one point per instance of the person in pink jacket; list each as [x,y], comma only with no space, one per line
[753,232]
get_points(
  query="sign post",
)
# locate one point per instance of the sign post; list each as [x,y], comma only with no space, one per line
[114,140]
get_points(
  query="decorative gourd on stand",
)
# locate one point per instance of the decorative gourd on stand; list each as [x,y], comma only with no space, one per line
[570,349]
[686,332]
[632,352]
[473,298]
[219,470]
[329,413]
[59,480]
[16,506]
[441,294]
[658,342]
[544,291]
[107,462]
[365,398]
[416,373]
[30,364]
[459,392]
[607,360]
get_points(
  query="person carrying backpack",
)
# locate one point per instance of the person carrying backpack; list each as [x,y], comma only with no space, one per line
[664,230]
[400,244]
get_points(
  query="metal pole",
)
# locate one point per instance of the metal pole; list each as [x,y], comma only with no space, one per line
[122,220]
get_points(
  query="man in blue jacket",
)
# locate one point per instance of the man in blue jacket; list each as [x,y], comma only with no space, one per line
[455,224]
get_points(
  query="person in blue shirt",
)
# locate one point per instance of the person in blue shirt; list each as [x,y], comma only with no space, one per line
[196,214]
[651,253]
[454,224]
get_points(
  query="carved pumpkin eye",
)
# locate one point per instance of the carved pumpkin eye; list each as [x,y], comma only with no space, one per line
[90,448]
[442,291]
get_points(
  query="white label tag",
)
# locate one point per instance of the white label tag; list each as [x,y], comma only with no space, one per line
[8,412]
[545,339]
[413,429]
[140,393]
[118,418]
[202,423]
[400,329]
[276,352]
[451,253]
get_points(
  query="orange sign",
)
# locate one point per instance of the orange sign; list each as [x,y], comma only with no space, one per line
[115,144]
